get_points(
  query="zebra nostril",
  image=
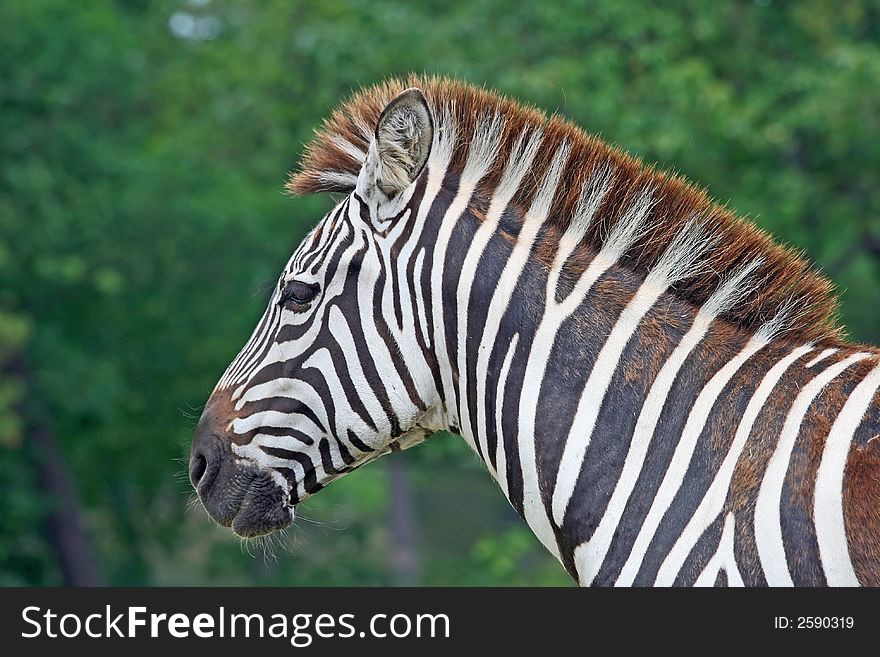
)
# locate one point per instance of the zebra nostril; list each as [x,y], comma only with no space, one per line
[205,462]
[198,465]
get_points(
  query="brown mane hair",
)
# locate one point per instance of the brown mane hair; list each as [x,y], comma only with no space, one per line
[334,157]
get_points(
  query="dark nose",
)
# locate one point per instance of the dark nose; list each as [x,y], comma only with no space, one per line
[207,455]
[205,459]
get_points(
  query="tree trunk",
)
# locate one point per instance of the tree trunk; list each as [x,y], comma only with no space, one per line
[64,527]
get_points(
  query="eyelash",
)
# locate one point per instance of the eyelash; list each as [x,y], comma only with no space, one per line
[298,293]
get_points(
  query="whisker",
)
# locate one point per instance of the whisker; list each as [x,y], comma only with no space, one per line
[320,523]
[193,503]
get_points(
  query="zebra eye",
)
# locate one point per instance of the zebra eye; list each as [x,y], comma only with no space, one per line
[298,292]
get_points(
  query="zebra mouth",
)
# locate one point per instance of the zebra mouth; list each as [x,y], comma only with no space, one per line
[237,494]
[263,508]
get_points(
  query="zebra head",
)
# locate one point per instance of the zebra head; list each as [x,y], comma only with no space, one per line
[336,372]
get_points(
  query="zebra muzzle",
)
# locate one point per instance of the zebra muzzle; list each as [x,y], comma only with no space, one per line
[234,493]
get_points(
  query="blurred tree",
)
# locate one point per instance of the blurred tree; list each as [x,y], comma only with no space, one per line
[141,220]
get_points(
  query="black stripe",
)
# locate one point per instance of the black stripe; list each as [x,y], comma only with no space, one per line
[699,557]
[702,363]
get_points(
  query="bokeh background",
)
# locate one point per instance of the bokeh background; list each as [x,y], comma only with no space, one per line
[143,147]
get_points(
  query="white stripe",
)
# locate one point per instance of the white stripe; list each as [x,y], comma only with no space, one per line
[283,442]
[713,501]
[681,459]
[338,179]
[828,506]
[366,130]
[277,420]
[768,527]
[822,356]
[273,388]
[500,454]
[348,148]
[421,309]
[723,559]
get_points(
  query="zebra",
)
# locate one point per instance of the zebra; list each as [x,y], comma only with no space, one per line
[663,393]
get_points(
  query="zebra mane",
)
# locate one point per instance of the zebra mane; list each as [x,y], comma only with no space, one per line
[781,281]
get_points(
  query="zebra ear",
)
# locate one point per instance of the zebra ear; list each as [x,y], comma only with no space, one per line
[404,134]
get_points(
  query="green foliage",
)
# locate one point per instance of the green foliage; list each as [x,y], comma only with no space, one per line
[144,146]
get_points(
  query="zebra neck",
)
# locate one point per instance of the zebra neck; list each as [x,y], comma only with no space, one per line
[603,406]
